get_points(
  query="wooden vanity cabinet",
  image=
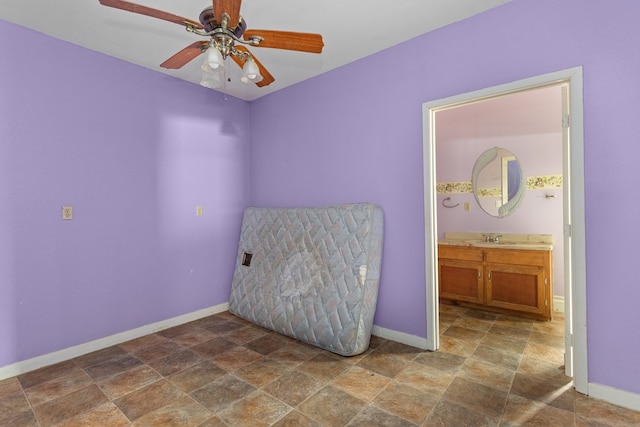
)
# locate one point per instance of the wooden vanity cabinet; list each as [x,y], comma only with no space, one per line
[514,281]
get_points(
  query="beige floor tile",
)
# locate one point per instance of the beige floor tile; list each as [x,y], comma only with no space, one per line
[236,358]
[129,381]
[71,381]
[148,399]
[324,367]
[447,413]
[477,397]
[107,414]
[361,383]
[497,357]
[558,393]
[262,371]
[259,410]
[428,380]
[383,363]
[222,371]
[223,392]
[331,407]
[488,374]
[475,324]
[441,360]
[45,374]
[192,337]
[374,416]
[521,411]
[592,412]
[114,366]
[457,346]
[554,355]
[466,334]
[181,412]
[197,376]
[296,419]
[406,402]
[70,405]
[143,342]
[15,409]
[294,387]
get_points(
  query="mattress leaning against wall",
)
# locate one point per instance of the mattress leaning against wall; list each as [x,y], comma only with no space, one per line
[311,273]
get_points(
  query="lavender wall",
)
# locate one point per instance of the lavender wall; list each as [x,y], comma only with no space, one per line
[359,137]
[134,152]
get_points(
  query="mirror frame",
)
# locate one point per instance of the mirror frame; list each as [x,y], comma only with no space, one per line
[485,159]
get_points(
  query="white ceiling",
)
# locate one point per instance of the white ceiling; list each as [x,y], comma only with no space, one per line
[352,29]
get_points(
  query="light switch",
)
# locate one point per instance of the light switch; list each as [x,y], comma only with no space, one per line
[199,211]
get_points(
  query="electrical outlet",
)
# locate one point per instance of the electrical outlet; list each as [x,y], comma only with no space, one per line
[199,211]
[467,206]
[67,212]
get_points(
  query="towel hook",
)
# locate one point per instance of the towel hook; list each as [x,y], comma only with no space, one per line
[448,206]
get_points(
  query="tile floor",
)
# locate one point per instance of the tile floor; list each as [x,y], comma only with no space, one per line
[491,370]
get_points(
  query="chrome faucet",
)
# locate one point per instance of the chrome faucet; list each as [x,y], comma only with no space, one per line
[493,238]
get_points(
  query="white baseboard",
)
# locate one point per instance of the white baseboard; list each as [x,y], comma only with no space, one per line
[400,337]
[23,366]
[616,396]
[558,304]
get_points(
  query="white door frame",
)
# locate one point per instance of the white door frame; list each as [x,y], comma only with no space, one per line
[574,212]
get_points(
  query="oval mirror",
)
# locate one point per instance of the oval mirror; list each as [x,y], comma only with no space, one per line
[498,182]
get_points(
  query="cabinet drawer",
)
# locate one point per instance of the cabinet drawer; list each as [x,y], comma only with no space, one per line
[460,252]
[519,257]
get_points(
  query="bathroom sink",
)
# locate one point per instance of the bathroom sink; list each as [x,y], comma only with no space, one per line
[507,241]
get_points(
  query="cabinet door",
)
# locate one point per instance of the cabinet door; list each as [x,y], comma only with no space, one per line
[460,280]
[517,287]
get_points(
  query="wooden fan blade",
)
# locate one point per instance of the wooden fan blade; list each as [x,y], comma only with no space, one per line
[303,42]
[148,11]
[267,78]
[183,57]
[230,7]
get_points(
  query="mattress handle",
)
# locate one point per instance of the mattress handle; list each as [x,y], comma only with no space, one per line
[362,275]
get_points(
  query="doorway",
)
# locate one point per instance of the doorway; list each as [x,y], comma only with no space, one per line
[573,209]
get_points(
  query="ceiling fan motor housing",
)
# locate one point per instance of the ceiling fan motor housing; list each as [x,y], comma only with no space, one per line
[208,21]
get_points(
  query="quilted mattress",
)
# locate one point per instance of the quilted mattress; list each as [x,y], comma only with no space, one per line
[311,273]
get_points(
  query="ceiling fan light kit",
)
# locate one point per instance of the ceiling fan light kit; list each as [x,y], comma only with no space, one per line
[228,35]
[213,60]
[211,80]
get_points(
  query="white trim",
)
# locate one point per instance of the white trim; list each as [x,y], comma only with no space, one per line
[616,396]
[430,227]
[23,366]
[400,337]
[558,304]
[577,298]
[578,282]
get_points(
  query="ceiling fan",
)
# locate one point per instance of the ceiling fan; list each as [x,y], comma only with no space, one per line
[228,37]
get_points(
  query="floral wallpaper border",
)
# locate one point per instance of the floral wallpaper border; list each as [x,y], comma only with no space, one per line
[541,182]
